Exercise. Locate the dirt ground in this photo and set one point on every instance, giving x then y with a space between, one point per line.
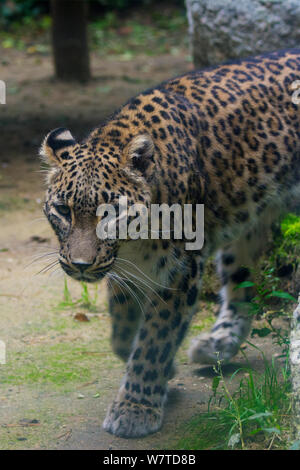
60 374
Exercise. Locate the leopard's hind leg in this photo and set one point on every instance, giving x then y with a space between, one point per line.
234 264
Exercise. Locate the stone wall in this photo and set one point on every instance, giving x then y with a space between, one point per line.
228 29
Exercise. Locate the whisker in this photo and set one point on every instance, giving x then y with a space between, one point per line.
113 276
121 281
126 278
48 267
111 286
142 281
41 257
149 278
180 263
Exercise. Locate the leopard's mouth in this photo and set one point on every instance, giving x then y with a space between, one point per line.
93 274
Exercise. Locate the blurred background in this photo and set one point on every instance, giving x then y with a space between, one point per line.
115 47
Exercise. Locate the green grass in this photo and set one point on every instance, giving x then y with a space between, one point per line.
290 228
58 364
86 301
163 30
127 37
204 432
206 322
287 242
255 414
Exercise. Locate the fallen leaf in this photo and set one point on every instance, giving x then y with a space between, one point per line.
81 317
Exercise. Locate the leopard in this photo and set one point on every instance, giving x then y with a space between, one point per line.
226 137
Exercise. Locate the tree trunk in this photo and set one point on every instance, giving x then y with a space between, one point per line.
69 38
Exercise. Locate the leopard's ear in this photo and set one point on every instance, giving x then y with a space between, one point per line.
141 154
56 146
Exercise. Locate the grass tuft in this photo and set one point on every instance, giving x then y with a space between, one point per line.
258 411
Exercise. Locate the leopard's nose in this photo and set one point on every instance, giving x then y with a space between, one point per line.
81 265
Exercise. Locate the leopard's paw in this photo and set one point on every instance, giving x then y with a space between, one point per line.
126 419
211 349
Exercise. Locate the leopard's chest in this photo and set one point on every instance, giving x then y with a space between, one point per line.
152 262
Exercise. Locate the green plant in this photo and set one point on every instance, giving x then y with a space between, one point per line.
290 228
256 412
120 27
12 10
286 250
259 405
258 409
261 306
86 301
129 35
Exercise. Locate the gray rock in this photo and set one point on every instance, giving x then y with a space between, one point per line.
295 371
227 29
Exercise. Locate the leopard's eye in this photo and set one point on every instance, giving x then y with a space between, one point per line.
63 210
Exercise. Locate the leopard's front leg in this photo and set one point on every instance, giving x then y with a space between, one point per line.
138 408
125 314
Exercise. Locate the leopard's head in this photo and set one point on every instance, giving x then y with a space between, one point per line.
82 177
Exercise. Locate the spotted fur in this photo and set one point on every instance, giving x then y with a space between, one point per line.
227 137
